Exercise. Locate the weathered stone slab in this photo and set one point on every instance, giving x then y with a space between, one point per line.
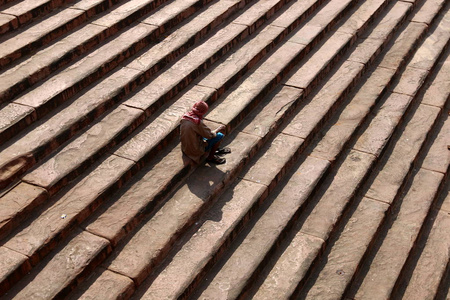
387 183
235 273
17 204
391 256
430 268
218 225
439 90
338 191
242 99
362 17
377 135
155 238
59 274
343 126
174 11
13 118
7 23
92 7
315 112
169 83
428 11
26 10
77 155
411 81
345 255
225 74
165 125
73 206
330 11
66 83
376 39
404 45
108 286
280 103
140 197
312 70
272 165
21 43
258 13
290 268
428 53
446 204
14 80
438 157
11 265
296 12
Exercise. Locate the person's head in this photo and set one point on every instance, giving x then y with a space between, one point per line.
200 108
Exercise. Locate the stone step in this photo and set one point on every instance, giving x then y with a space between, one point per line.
41 100
56 232
25 74
57 275
340 267
160 130
275 286
28 39
96 101
15 15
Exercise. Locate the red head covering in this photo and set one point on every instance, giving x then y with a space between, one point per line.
195 115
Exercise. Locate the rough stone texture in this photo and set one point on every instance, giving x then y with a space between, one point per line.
391 21
290 268
139 255
390 257
13 118
17 204
12 48
125 211
259 11
426 56
55 171
430 268
362 16
73 206
345 255
152 136
38 66
410 81
296 11
229 111
184 70
312 69
387 183
381 127
338 191
10 263
344 125
61 86
217 225
446 204
273 113
428 11
438 157
7 23
235 273
306 121
439 91
25 10
403 45
282 149
111 286
55 277
244 58
124 11
329 12
172 11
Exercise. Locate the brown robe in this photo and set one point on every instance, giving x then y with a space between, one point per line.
191 136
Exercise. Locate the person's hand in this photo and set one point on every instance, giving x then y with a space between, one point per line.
222 128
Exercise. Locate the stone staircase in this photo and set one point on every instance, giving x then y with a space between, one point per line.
336 113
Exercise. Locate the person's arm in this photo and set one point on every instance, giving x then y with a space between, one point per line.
205 131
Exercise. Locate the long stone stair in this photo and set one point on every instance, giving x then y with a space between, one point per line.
336 113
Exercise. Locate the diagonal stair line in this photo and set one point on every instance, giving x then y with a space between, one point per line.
172 114
25 74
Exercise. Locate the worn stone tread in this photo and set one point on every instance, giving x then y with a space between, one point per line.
438 158
430 268
56 275
10 263
400 238
438 91
236 272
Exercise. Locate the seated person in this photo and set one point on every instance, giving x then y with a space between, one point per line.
198 140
